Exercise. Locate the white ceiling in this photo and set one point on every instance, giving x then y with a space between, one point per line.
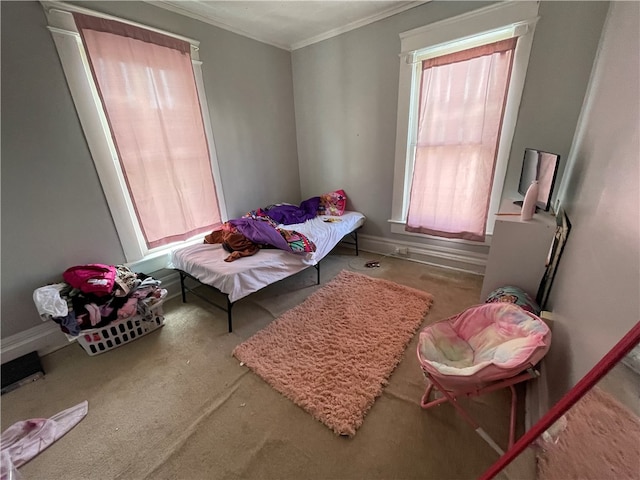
287 24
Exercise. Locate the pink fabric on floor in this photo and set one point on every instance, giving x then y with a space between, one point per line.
25 439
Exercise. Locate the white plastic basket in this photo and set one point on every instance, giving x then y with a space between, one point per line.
120 332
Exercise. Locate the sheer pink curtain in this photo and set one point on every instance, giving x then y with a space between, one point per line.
148 91
462 98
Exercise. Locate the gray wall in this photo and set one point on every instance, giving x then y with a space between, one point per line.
596 295
346 95
346 100
564 46
54 213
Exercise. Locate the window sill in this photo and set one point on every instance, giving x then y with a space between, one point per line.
397 227
159 259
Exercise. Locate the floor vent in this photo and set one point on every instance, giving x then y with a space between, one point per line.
21 371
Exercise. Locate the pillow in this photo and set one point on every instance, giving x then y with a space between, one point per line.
511 294
333 203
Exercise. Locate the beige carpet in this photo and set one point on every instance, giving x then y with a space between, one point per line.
333 353
176 404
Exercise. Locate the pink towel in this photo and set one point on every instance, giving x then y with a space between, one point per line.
25 439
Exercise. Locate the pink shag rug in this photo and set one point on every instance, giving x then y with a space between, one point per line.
333 354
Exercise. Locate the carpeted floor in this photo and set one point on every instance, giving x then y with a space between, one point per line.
176 404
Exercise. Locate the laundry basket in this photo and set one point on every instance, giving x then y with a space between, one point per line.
120 332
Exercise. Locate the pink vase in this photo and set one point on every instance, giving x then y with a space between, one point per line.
530 199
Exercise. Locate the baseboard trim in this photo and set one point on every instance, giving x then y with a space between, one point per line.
44 339
536 397
170 280
454 258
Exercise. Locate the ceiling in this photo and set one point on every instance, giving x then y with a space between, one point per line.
287 24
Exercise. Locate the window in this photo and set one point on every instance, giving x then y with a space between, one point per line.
139 96
461 102
460 87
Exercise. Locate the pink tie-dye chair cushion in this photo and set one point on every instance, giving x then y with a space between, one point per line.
483 343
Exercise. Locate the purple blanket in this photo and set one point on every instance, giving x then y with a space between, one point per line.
260 232
288 214
261 226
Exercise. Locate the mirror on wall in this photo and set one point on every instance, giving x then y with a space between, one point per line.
592 433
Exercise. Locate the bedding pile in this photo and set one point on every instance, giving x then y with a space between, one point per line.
263 228
94 295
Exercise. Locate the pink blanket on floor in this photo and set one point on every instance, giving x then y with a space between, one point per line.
25 439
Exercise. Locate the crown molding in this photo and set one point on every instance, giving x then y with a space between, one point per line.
295 46
215 22
356 24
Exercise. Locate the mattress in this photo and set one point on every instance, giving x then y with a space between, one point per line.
249 274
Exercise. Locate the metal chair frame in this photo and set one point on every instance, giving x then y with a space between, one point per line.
451 397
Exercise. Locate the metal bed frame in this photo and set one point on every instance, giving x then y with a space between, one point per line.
184 287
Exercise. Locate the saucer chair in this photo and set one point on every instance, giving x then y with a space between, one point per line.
482 349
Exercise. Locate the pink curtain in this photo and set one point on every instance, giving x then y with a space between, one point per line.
462 99
148 91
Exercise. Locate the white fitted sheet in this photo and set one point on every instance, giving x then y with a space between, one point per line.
249 274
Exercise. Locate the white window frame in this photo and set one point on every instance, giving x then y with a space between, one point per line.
98 135
485 25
